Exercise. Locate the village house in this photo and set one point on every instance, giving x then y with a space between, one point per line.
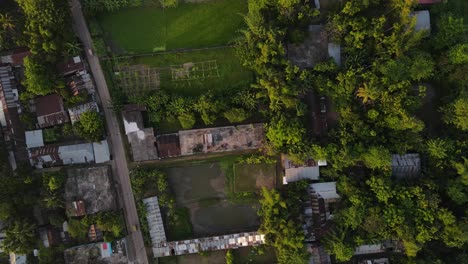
58 155
142 140
71 66
50 110
15 58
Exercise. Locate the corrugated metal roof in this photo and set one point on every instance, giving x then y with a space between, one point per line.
423 20
76 111
101 151
72 154
34 139
326 190
334 51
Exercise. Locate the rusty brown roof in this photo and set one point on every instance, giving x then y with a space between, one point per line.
49 104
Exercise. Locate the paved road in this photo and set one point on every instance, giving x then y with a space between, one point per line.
136 249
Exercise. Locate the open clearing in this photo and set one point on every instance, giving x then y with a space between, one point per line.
216 70
189 25
203 188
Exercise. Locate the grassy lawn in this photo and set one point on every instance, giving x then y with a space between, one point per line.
259 255
183 228
252 177
232 75
144 30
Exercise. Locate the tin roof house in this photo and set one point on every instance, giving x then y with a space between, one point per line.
50 110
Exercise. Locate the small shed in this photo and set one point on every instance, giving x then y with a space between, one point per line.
296 172
423 20
334 51
326 190
34 139
101 151
406 166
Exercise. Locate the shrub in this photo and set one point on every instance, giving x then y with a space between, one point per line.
187 120
236 115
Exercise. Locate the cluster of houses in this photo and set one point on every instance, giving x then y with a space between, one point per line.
323 198
26 128
24 124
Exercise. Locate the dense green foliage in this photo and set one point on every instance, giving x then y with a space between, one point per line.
90 126
206 109
111 223
391 80
48 32
280 220
19 237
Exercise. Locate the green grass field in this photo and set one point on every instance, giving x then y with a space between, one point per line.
143 30
252 177
232 75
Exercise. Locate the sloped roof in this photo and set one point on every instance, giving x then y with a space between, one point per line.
71 66
50 110
16 57
49 104
34 139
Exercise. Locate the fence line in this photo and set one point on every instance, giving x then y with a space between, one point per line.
166 52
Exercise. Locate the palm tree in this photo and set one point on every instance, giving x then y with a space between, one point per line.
7 22
72 48
20 237
367 93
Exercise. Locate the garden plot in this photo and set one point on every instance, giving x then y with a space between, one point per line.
194 71
138 79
